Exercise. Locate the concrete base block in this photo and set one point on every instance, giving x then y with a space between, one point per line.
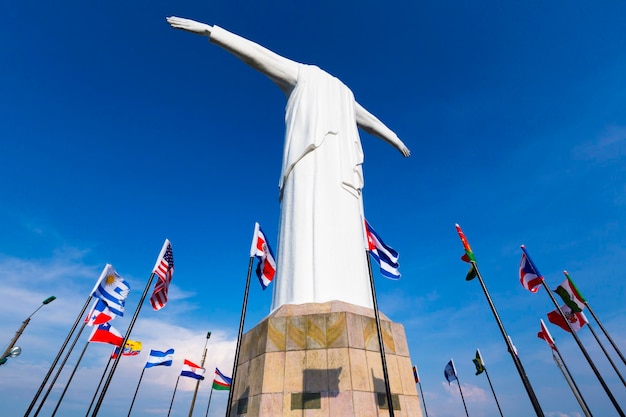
323 360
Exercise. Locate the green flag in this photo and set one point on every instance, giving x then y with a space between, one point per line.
570 294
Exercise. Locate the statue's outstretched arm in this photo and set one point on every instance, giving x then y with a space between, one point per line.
370 123
281 70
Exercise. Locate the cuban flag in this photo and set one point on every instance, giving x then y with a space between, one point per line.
112 289
221 381
384 255
260 248
529 276
100 313
192 370
158 358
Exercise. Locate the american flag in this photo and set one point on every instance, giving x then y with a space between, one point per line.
164 269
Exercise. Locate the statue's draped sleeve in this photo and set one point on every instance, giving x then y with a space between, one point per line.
281 70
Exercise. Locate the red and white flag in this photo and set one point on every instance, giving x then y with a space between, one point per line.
260 248
164 269
105 333
529 275
545 335
576 320
192 370
99 313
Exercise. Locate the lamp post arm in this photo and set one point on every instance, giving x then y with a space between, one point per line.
5 354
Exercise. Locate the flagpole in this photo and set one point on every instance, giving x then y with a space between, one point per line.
56 376
209 404
577 393
126 336
584 351
172 402
606 333
195 393
516 360
239 335
494 392
67 384
423 399
106 368
380 337
606 354
54 362
136 391
458 381
419 383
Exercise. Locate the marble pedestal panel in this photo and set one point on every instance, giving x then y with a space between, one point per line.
323 360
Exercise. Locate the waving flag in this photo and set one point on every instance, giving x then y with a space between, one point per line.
221 381
164 269
105 333
576 320
478 363
450 372
192 370
385 256
545 335
260 248
529 275
99 313
570 294
468 256
416 375
158 358
132 348
112 289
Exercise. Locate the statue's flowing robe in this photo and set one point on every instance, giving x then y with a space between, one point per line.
321 246
321 252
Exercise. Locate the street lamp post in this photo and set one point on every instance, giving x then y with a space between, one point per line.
10 352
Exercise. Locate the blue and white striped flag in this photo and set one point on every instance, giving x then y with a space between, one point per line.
384 255
112 289
158 358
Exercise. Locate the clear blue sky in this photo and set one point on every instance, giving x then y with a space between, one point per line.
118 132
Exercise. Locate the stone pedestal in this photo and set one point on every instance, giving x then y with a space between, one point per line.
323 360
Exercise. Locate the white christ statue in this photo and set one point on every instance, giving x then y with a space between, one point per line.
321 240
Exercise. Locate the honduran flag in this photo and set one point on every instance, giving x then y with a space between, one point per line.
192 370
158 358
105 333
221 381
260 248
385 256
99 313
529 275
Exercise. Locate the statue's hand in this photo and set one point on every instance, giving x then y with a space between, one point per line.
404 150
189 25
